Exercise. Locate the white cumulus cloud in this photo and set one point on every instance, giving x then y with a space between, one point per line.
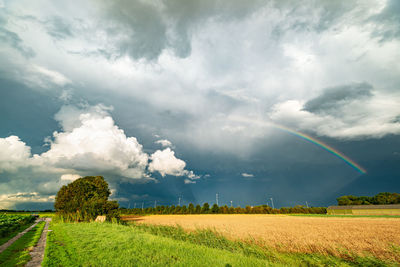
92 141
89 144
13 153
165 162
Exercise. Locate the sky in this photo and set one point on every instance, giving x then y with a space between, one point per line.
298 101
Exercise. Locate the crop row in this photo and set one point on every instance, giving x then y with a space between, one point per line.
10 223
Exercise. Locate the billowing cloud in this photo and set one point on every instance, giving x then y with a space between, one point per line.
165 162
13 154
94 142
89 144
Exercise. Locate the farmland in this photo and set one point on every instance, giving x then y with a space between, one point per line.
337 236
11 224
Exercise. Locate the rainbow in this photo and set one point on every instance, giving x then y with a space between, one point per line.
319 143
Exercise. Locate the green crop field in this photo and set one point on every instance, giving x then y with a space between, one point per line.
11 224
107 244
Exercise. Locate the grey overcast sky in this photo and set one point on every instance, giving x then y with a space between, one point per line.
179 98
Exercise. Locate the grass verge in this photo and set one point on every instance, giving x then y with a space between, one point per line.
18 253
94 244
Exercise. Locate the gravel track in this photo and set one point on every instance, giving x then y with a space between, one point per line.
37 253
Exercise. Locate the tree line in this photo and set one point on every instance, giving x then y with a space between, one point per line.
379 199
215 209
87 197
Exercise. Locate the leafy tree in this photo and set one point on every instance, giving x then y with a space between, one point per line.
224 209
171 209
248 209
205 208
215 208
85 199
191 208
184 209
177 210
197 209
379 199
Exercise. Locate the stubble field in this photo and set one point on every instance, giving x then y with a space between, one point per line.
337 236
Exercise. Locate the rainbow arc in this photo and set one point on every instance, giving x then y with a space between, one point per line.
321 144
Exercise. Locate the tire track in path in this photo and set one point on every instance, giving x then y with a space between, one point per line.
37 253
15 238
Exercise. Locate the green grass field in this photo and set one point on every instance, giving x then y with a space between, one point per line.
18 253
96 244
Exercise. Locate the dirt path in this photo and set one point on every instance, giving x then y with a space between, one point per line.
15 238
37 253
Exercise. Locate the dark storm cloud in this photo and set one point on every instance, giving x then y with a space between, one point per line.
138 28
143 30
335 97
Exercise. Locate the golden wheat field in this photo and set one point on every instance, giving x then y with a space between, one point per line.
327 235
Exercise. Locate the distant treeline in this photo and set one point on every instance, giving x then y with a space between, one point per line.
25 211
379 199
215 209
